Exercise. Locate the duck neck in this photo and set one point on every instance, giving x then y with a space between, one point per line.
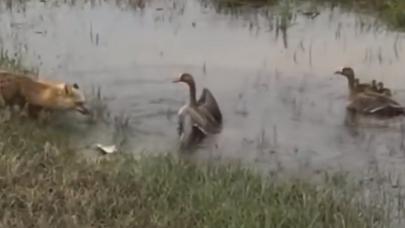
193 100
350 81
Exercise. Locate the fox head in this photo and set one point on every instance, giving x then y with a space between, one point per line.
70 97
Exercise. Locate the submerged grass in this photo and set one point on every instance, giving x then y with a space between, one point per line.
13 62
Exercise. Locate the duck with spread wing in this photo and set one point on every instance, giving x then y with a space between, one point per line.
198 118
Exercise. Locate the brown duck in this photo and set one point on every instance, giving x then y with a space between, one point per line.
353 83
198 118
367 102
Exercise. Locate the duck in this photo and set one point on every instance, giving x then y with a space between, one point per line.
375 104
368 102
354 84
383 90
198 118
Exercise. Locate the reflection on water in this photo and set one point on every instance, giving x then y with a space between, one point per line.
282 105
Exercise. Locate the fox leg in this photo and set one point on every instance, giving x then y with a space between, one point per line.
2 102
44 115
33 111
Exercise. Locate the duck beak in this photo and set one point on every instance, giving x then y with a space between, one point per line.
339 72
176 80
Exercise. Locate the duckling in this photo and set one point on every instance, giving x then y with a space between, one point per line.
383 90
353 83
362 86
374 85
198 119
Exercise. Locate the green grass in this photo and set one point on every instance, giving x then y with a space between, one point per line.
238 3
390 11
43 183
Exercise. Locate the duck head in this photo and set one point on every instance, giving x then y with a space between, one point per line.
186 78
347 72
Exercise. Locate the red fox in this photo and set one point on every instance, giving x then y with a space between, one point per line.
18 89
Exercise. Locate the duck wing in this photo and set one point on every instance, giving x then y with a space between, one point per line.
185 128
205 116
181 120
375 104
207 103
189 127
203 120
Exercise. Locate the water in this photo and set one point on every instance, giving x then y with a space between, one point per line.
282 104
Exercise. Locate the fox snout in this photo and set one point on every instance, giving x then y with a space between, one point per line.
80 107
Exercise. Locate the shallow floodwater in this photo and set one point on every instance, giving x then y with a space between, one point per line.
283 106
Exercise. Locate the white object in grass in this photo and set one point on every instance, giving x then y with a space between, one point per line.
107 149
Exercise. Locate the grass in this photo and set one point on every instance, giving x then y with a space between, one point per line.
45 182
390 11
238 3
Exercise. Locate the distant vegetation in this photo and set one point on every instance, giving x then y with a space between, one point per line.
391 11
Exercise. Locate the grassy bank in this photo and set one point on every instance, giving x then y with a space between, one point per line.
390 11
43 183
